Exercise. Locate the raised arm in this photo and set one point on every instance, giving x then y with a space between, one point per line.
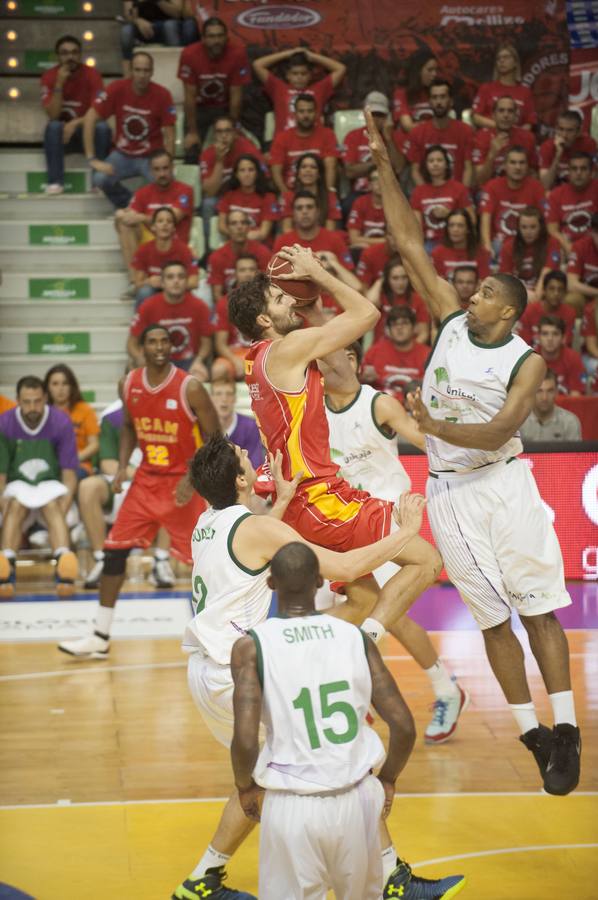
262 66
389 412
337 69
441 299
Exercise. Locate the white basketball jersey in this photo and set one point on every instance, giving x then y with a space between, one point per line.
367 457
316 693
467 382
228 598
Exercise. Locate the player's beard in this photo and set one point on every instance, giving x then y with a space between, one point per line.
290 321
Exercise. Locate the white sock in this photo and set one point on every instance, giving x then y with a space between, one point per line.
389 862
160 554
104 619
563 707
442 683
375 630
525 716
58 552
98 555
211 859
9 554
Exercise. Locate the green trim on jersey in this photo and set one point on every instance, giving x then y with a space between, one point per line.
380 428
260 656
506 340
453 315
229 546
517 366
343 409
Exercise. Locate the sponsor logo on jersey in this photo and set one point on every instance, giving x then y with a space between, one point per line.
171 404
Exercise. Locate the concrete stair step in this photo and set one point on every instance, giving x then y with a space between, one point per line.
77 285
53 341
42 207
70 314
17 161
54 232
34 48
33 181
89 368
65 259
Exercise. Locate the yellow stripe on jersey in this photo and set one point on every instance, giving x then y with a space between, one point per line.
297 404
197 438
330 505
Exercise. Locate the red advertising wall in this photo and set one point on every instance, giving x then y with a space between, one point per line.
583 83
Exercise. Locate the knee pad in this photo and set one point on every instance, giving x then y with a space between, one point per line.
115 561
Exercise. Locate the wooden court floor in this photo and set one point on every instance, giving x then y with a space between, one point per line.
110 787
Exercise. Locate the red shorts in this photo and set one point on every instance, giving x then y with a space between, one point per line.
149 506
337 516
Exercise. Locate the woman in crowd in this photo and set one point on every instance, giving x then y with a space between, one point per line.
460 247
150 257
247 190
531 253
506 83
434 200
311 177
393 288
62 389
411 103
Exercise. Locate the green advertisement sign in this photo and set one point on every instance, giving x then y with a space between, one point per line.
59 289
38 60
58 343
49 7
74 182
59 235
89 396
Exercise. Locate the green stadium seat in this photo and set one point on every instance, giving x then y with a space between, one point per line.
216 239
346 120
197 239
269 127
189 174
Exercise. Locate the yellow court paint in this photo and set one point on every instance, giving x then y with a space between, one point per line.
140 851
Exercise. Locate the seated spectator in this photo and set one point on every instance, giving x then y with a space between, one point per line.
186 317
531 253
556 152
6 403
582 269
392 289
572 204
491 145
149 22
396 359
589 349
564 362
150 258
68 90
550 303
297 80
311 177
213 72
460 247
506 81
163 190
308 136
547 421
229 343
221 262
366 223
38 471
411 104
465 282
374 258
247 192
356 155
145 115
503 198
239 429
435 199
456 137
63 392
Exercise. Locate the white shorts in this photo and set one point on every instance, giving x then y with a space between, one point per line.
310 844
35 496
212 687
497 542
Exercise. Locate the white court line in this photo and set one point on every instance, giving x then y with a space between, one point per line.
479 853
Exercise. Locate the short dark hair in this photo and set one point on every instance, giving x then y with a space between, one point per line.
554 275
554 322
30 381
516 149
503 97
298 59
246 302
573 116
295 568
516 292
160 209
225 117
306 98
401 312
304 195
157 154
213 20
550 375
66 39
214 470
581 154
155 326
173 262
250 256
442 82
464 268
357 349
137 53
75 391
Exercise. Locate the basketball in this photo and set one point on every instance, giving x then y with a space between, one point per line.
303 290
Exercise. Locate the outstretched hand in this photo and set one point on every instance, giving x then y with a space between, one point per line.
285 490
377 144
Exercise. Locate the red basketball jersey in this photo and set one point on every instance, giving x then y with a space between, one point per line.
165 424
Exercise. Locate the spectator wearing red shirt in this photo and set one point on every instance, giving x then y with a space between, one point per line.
393 288
311 177
456 137
491 145
503 199
150 258
366 223
306 137
411 103
506 81
145 115
374 258
564 362
213 72
582 269
551 303
297 80
229 343
460 247
221 262
556 152
438 196
396 359
531 253
572 204
186 317
248 193
589 335
68 90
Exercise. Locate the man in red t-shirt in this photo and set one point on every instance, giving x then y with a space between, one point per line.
397 359
572 204
503 199
221 262
589 336
556 152
68 90
145 115
230 345
564 362
213 72
552 303
491 145
582 269
456 137
186 317
373 259
366 223
297 80
306 137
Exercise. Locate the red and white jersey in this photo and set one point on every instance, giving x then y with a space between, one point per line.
419 108
456 138
257 207
505 203
572 210
426 197
583 143
356 149
283 97
518 137
489 93
213 78
583 260
289 145
177 195
140 118
506 262
367 218
78 91
447 259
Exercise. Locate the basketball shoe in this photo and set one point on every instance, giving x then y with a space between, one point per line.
404 885
162 575
539 742
562 771
67 569
94 646
8 577
446 717
209 885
